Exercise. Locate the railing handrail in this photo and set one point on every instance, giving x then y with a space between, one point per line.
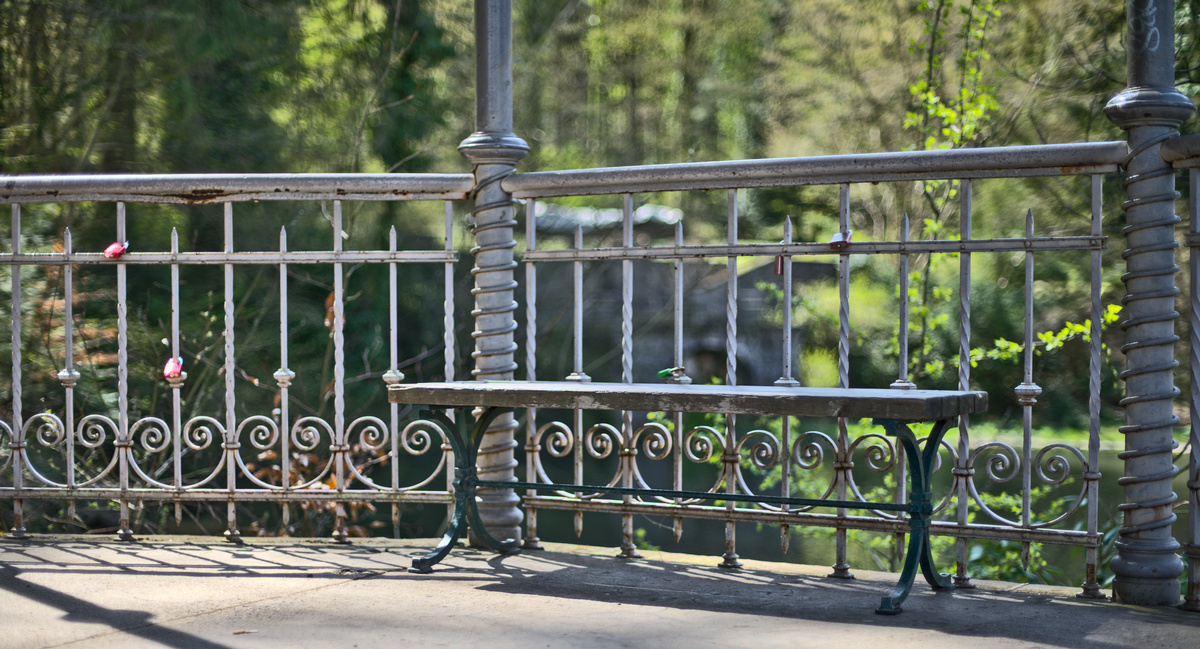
1013 161
214 188
992 162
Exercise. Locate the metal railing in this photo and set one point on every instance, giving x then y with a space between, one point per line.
172 454
143 453
741 453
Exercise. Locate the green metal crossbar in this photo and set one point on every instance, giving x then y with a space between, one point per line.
699 495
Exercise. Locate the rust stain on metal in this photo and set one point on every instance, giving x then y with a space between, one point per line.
1074 170
201 195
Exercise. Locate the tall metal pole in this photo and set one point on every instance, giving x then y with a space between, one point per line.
493 151
1147 567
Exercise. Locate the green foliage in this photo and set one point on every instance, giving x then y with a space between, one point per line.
1006 350
639 541
950 115
933 338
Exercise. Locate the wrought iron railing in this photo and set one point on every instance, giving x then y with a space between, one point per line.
135 456
741 453
128 454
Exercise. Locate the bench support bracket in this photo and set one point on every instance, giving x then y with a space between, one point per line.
920 465
466 508
464 437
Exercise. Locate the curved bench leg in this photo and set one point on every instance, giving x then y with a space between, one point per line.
458 525
464 491
466 510
890 605
507 546
920 554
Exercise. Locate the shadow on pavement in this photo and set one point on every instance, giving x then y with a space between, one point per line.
834 605
136 623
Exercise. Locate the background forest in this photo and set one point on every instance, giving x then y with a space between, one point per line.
245 86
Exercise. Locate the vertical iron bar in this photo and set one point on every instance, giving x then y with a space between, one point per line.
577 306
681 378
393 376
176 384
628 450
1150 110
18 443
963 471
531 447
123 444
786 378
283 378
730 456
843 462
1091 588
902 382
341 448
68 375
450 354
577 374
231 439
1027 393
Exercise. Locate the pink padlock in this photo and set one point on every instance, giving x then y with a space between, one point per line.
174 368
115 250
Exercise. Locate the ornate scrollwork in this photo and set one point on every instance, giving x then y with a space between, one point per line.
1002 466
879 451
702 443
415 438
808 449
374 434
198 432
6 431
48 429
765 453
601 439
264 432
1054 469
92 430
764 448
306 433
657 444
156 435
560 440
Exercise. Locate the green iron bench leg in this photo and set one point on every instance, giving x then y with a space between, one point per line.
466 510
919 554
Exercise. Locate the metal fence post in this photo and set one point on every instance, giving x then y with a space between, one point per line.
1150 110
493 151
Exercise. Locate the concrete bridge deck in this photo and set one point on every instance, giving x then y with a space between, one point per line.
77 591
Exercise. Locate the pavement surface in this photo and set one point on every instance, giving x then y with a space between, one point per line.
76 591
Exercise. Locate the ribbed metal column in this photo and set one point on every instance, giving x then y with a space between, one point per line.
1150 110
494 150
